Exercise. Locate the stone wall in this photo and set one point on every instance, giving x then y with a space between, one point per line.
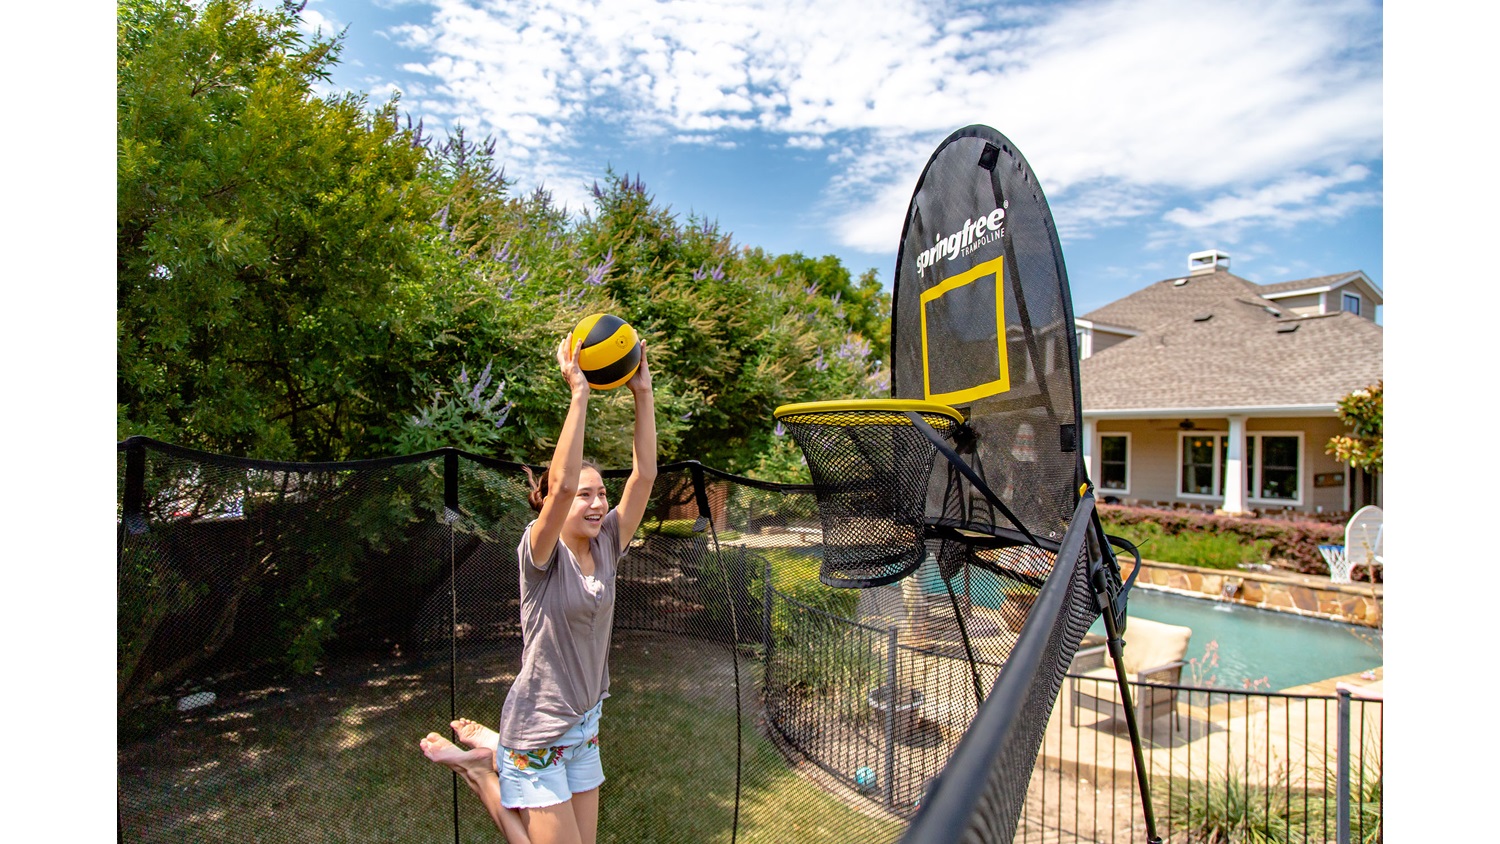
1300 594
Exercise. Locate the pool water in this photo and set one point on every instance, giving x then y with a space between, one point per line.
1288 650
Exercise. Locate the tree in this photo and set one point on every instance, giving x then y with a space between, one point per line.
301 278
271 297
1362 412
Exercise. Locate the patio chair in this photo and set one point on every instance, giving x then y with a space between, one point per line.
1153 654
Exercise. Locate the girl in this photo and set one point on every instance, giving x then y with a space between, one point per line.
546 751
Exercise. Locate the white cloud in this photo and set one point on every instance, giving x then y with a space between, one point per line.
1298 198
1118 104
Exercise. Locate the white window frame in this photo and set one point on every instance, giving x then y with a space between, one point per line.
1255 459
1359 303
1103 490
1219 438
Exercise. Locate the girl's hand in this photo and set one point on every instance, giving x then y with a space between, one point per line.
640 382
567 361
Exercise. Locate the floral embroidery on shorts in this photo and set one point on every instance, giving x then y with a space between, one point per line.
528 759
594 742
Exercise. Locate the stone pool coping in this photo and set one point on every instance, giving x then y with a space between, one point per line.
1289 592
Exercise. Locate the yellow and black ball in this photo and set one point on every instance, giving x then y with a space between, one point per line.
611 350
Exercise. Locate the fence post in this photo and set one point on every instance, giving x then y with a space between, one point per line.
1343 783
765 624
890 718
133 511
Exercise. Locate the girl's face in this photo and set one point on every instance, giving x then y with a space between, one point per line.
589 506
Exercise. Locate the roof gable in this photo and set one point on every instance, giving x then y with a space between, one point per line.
1175 299
1356 279
1241 356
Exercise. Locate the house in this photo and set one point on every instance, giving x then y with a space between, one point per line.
1206 378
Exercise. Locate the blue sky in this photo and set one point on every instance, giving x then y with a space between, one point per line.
1158 127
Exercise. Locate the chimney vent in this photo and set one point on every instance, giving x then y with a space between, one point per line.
1207 261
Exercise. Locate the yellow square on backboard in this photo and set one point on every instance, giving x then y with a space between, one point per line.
988 273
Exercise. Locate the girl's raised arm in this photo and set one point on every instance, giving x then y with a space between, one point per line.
637 492
567 460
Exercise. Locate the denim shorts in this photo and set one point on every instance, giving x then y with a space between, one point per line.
531 779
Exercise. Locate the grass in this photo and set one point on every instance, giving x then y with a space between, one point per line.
1204 550
336 758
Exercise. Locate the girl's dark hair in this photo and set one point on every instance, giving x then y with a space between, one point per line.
538 483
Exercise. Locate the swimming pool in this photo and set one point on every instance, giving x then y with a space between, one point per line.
1288 650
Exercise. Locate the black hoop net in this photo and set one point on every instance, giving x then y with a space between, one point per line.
870 466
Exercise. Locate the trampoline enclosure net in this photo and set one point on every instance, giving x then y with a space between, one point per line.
287 633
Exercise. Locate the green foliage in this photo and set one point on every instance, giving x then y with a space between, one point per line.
1205 550
1240 804
270 299
796 576
821 651
1363 413
469 417
1293 543
302 278
306 554
1231 807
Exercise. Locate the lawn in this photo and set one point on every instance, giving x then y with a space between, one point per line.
335 758
1202 549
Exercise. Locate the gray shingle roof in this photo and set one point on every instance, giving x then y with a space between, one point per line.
1169 302
1237 358
1305 283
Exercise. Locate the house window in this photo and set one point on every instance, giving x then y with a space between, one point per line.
1274 466
1203 460
1351 303
1114 462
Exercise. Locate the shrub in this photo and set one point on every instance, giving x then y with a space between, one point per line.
1205 550
822 651
1290 543
1234 809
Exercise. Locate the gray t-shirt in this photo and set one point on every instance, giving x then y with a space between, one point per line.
565 625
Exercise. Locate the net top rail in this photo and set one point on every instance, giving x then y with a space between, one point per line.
426 456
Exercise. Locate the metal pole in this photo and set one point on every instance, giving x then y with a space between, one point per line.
1343 785
1116 649
765 626
890 718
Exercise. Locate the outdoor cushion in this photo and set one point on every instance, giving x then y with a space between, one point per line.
1101 683
1152 644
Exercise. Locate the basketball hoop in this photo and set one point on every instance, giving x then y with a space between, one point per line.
870 466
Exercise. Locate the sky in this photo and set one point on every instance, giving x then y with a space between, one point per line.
1158 127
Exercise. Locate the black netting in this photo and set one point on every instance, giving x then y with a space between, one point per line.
288 632
982 792
871 469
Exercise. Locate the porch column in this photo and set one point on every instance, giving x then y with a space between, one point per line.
1090 430
1234 467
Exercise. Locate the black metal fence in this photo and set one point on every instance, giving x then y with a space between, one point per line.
1223 766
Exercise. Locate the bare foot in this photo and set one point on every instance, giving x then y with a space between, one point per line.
472 764
475 734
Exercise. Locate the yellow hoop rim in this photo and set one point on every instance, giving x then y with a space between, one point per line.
875 405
